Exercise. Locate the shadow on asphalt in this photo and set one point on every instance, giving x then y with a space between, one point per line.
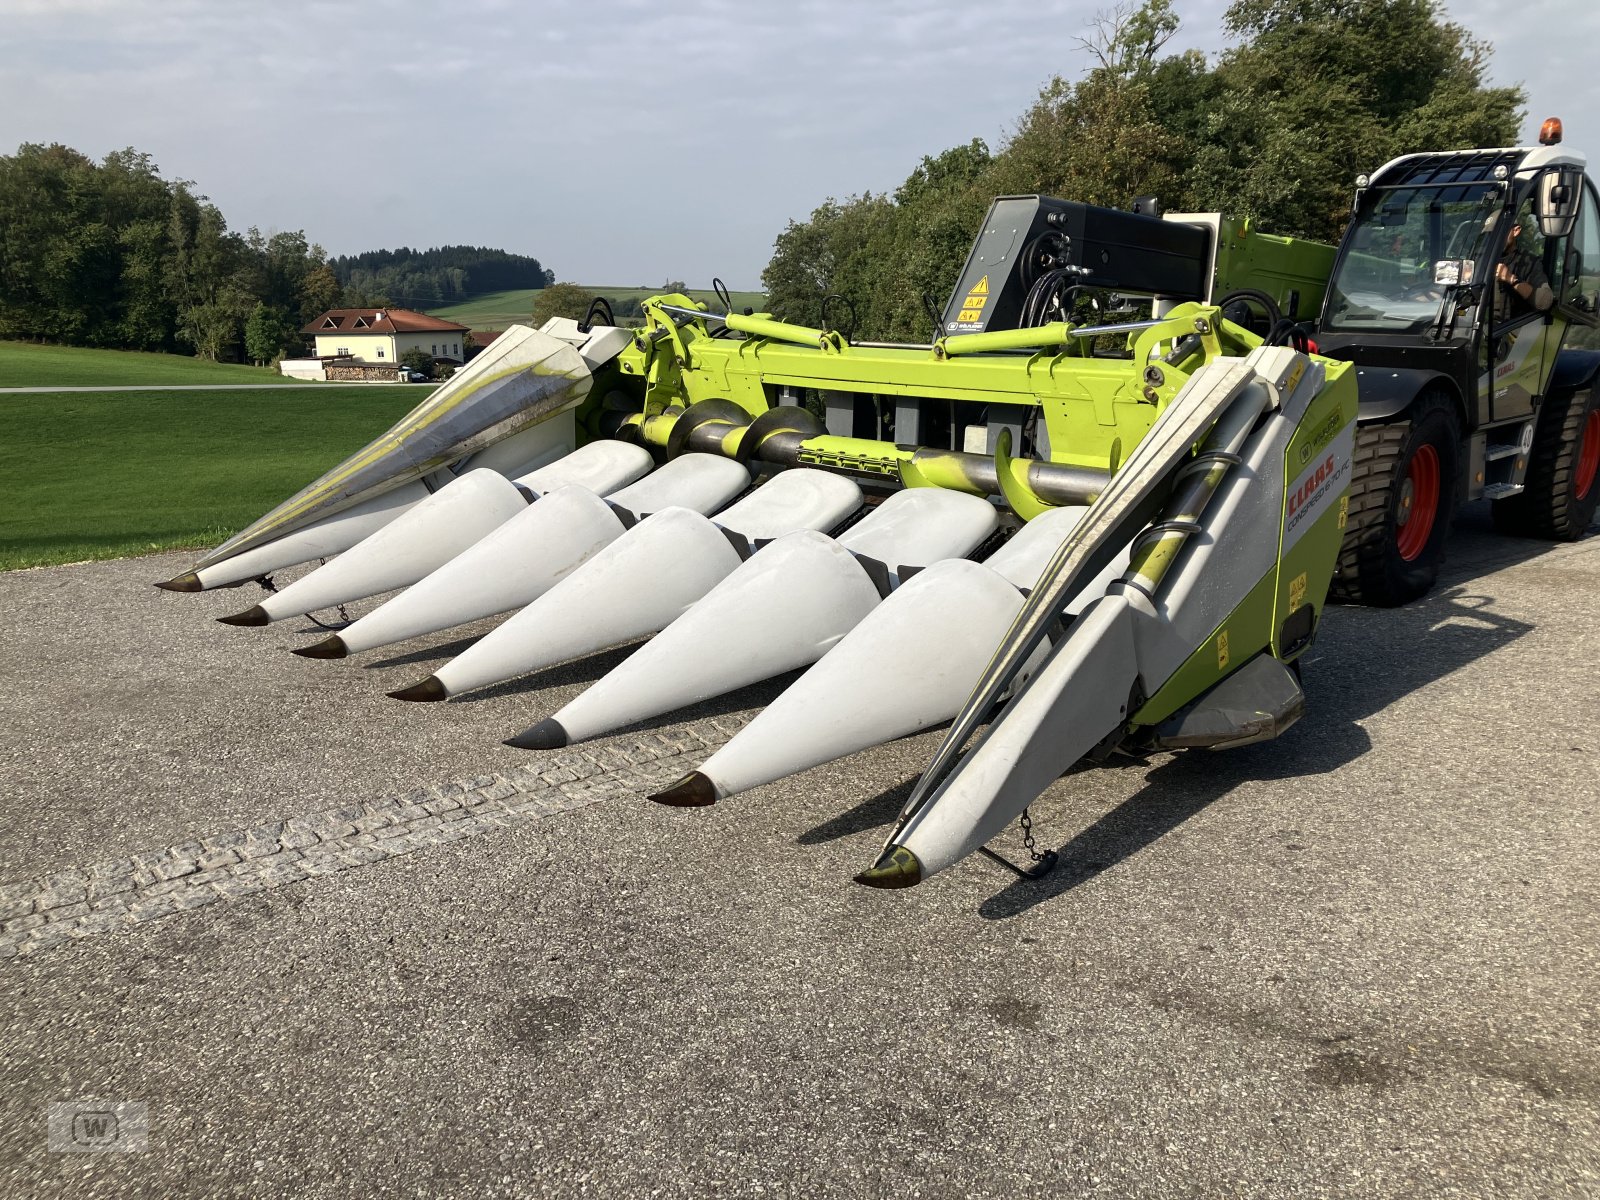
444 650
587 669
871 813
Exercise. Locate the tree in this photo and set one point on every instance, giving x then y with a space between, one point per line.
268 333
417 359
211 328
561 300
111 254
58 255
1321 89
923 242
320 290
147 319
444 274
1275 130
830 254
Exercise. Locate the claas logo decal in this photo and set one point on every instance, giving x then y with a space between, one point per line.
1324 472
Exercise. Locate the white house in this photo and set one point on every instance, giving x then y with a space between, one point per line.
382 335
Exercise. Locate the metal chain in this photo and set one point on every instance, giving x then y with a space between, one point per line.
345 619
1043 861
1028 844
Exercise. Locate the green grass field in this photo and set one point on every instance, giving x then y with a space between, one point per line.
23 364
499 309
109 475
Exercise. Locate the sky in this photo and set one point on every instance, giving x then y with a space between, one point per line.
622 144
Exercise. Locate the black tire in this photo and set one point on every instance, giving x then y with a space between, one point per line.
1561 487
1381 562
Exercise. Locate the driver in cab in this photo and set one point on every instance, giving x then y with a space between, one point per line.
1521 284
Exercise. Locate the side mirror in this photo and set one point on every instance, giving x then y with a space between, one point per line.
1453 272
1556 202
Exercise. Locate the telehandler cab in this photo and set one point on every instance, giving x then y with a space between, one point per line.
1470 387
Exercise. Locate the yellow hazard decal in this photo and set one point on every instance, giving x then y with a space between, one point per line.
1297 591
1295 376
1344 510
972 307
1222 650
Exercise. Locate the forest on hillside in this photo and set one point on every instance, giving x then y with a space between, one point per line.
430 278
1275 129
111 254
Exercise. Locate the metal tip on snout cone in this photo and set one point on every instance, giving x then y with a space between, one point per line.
548 734
187 582
429 690
694 790
898 869
255 615
331 647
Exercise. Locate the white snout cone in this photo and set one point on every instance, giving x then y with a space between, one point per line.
636 585
602 467
799 498
1078 697
512 566
406 549
703 482
329 536
782 609
907 666
522 559
919 526
645 580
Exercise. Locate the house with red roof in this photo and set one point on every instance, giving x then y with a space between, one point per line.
481 339
382 335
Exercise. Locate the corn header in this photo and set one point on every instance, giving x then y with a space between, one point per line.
1100 511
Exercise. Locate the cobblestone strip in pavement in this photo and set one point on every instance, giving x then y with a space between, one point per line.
41 914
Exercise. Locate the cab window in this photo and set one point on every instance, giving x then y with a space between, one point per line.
1580 284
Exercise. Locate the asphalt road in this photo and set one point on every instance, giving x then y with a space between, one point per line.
1359 962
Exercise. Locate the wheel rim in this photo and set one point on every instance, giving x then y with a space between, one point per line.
1589 454
1419 503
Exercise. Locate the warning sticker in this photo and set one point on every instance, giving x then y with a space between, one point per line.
1222 650
1318 487
1295 376
1297 591
972 307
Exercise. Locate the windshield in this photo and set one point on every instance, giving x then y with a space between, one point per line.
1385 281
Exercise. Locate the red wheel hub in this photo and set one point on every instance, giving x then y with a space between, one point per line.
1419 503
1588 454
